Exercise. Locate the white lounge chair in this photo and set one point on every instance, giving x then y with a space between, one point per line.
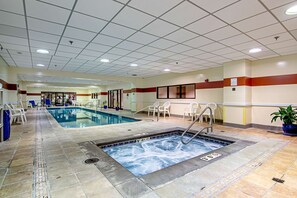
15 114
206 114
153 108
191 110
165 108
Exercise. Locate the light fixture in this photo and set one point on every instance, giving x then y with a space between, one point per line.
255 50
292 10
133 65
167 70
42 51
40 65
104 60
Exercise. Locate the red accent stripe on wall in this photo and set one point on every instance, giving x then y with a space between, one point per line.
8 86
22 92
83 94
141 90
103 93
210 85
275 80
241 81
33 94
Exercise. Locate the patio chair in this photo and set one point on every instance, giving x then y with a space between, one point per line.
32 103
165 108
191 110
206 114
48 102
153 108
15 114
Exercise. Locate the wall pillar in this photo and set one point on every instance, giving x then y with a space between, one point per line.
237 109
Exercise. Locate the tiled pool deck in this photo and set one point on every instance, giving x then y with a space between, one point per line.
43 159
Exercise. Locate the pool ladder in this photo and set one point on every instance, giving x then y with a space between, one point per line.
207 128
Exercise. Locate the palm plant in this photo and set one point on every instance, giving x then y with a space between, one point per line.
287 115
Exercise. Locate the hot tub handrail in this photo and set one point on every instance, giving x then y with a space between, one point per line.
208 127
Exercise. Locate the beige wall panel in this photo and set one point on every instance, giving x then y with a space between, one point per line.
234 115
261 115
241 96
237 68
277 94
275 66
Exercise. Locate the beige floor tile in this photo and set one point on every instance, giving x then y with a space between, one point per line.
15 189
285 190
72 192
62 182
18 177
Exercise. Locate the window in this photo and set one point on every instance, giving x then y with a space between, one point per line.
177 92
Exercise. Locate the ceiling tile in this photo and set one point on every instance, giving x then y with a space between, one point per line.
235 40
13 40
162 44
164 53
213 5
291 24
65 54
104 9
117 31
98 47
12 19
79 34
111 56
205 56
43 45
46 27
184 14
233 55
85 57
205 25
198 42
267 31
247 46
179 48
16 47
160 28
86 22
15 6
212 47
275 3
223 33
271 39
181 35
193 52
143 38
65 3
118 51
226 50
13 31
129 45
148 50
154 7
137 55
287 50
240 10
132 18
106 40
38 36
283 44
91 53
259 21
46 12
280 12
75 42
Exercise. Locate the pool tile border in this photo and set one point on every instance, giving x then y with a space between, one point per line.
121 178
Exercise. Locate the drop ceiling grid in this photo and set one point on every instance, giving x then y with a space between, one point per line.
64 49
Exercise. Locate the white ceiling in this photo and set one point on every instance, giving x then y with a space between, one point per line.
154 34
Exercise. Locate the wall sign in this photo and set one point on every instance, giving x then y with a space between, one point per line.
233 81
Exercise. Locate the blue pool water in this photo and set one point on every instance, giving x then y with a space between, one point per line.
80 118
151 155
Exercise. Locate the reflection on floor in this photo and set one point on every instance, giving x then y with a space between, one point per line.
43 159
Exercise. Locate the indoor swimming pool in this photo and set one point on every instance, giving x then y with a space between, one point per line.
150 154
76 117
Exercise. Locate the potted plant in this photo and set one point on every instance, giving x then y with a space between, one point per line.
288 116
117 107
104 104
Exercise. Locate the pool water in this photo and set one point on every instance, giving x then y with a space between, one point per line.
81 118
151 155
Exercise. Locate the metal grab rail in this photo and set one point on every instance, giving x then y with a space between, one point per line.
209 127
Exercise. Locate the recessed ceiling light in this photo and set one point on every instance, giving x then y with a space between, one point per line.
42 51
255 50
40 65
104 60
133 65
167 70
292 10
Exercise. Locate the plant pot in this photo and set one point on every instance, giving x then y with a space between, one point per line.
290 129
117 108
105 106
